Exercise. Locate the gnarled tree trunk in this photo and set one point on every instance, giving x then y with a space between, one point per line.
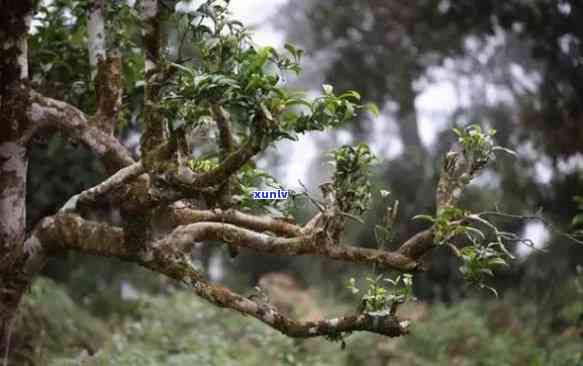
13 282
14 23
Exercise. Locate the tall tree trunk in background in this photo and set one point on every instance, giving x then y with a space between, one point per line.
14 22
407 117
415 157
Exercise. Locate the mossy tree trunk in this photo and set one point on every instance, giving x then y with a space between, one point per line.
14 281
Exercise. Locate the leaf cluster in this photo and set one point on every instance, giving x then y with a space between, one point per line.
378 297
478 149
251 179
351 177
248 81
479 256
385 231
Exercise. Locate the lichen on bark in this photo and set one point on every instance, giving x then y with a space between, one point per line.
14 22
108 87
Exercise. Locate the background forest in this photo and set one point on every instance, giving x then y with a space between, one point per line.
430 65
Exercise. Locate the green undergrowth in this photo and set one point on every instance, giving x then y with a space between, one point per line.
179 329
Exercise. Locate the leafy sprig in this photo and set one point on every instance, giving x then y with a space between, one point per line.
351 177
382 293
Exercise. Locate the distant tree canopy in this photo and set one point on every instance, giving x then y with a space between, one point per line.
553 32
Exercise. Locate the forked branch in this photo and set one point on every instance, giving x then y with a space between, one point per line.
71 232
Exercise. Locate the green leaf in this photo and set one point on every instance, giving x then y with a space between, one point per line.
493 290
424 217
182 68
351 94
328 89
487 271
497 262
212 43
298 101
349 113
294 51
373 108
577 220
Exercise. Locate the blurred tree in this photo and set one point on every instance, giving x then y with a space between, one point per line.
552 30
380 47
383 48
387 47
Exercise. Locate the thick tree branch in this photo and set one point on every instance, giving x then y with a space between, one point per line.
227 145
418 245
105 70
71 232
232 163
305 240
108 88
189 181
316 243
154 134
184 237
376 323
15 20
115 181
47 113
184 216
14 24
96 34
448 182
226 140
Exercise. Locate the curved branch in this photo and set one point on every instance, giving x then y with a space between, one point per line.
47 113
184 216
71 232
232 163
184 237
90 195
418 245
222 296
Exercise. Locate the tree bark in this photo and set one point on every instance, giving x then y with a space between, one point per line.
14 23
13 165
